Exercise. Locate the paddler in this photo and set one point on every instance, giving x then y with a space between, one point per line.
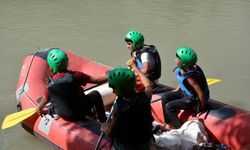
131 125
146 57
65 90
192 92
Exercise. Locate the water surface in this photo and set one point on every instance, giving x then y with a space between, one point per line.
217 29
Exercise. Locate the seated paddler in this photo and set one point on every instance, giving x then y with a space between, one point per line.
66 93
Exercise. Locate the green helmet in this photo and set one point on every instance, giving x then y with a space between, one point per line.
187 56
122 80
136 38
57 60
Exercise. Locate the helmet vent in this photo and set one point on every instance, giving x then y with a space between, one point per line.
52 56
119 73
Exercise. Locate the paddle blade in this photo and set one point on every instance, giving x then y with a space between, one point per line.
17 117
212 81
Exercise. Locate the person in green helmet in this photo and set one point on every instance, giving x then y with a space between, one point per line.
131 125
65 90
192 92
146 57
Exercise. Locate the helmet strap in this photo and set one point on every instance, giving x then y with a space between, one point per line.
184 67
51 69
174 69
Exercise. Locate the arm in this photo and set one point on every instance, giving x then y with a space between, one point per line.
194 84
44 101
98 80
176 89
145 62
111 130
145 67
145 81
83 78
145 58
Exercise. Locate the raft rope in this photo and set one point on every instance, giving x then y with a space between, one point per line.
27 74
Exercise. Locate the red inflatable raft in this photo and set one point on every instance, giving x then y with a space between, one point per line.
225 124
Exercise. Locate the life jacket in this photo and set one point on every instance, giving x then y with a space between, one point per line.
192 72
65 100
153 73
134 120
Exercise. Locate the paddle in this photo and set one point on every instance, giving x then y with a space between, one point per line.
107 121
17 117
211 81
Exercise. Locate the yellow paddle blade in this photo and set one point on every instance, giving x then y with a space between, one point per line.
212 81
17 117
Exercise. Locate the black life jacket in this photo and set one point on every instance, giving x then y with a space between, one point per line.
156 72
134 120
65 100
